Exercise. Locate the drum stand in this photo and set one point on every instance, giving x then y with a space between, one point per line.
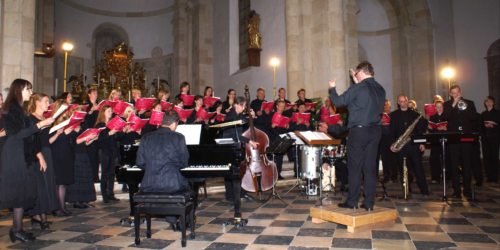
297 179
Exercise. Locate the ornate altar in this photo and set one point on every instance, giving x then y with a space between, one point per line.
115 71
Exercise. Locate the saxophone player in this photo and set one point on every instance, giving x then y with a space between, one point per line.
400 121
462 118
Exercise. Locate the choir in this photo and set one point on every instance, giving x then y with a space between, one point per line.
44 168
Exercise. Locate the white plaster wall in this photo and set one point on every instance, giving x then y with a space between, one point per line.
272 29
372 17
144 33
477 26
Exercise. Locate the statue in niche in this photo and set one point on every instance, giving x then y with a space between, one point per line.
254 38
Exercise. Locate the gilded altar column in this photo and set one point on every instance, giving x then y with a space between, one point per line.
17 42
321 44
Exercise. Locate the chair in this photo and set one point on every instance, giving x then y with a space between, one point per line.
182 205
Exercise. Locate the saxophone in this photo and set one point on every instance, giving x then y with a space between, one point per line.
405 137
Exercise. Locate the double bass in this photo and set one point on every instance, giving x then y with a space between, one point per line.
257 164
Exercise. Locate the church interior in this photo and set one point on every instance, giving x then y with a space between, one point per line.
419 48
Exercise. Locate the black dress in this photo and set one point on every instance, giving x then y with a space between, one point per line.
63 154
83 189
17 174
45 182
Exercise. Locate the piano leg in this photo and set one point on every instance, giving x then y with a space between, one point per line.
132 189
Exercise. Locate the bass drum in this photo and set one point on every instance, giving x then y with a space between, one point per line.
311 160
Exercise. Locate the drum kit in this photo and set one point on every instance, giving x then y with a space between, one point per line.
319 176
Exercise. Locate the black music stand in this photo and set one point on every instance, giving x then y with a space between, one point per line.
280 146
443 138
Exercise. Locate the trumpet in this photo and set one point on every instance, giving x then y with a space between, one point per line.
405 179
461 105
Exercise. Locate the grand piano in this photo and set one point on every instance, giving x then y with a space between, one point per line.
205 161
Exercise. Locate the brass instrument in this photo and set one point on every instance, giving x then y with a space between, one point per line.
462 105
405 179
405 137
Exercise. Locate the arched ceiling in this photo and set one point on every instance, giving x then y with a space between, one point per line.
122 8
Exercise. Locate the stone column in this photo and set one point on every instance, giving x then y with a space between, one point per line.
181 45
321 44
17 46
44 66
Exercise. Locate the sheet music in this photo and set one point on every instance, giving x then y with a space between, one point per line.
297 139
312 135
192 133
60 111
224 141
59 126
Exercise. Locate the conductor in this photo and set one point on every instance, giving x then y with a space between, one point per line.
365 102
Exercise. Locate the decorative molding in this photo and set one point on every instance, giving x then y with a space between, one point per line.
95 11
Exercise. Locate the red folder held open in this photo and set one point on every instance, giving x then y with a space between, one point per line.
156 118
144 104
188 100
116 123
280 120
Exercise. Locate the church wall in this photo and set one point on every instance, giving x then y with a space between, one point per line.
144 33
477 26
272 29
374 38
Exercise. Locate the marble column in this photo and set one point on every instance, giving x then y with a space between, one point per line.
17 41
321 44
181 45
44 66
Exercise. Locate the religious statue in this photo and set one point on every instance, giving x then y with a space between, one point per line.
253 30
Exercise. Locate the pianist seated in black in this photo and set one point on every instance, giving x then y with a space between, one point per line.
236 133
161 155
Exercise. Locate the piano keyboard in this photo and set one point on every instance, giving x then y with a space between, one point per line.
207 168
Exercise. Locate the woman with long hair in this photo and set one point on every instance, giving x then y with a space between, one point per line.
115 95
66 98
90 118
17 171
108 151
208 92
62 144
227 105
46 187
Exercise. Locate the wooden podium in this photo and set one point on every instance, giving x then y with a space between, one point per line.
353 218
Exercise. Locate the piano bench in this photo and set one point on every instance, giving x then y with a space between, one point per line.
161 204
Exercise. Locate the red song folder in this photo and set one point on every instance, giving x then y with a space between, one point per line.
289 106
430 109
90 131
120 107
116 123
324 111
220 117
209 101
183 113
165 106
106 102
434 125
311 105
136 123
267 106
144 104
156 118
188 100
203 115
331 119
306 117
386 119
280 120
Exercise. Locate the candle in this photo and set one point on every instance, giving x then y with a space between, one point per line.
158 83
55 89
98 78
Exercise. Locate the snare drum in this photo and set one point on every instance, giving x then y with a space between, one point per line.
335 152
311 160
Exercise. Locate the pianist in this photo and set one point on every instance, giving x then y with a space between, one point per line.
161 155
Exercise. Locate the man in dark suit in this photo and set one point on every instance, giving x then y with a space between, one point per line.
462 118
161 155
401 119
365 102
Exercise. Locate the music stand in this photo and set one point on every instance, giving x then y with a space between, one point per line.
442 138
280 146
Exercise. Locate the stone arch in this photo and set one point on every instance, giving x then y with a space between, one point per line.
412 47
105 37
493 61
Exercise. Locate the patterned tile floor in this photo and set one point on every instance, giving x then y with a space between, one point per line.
423 223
